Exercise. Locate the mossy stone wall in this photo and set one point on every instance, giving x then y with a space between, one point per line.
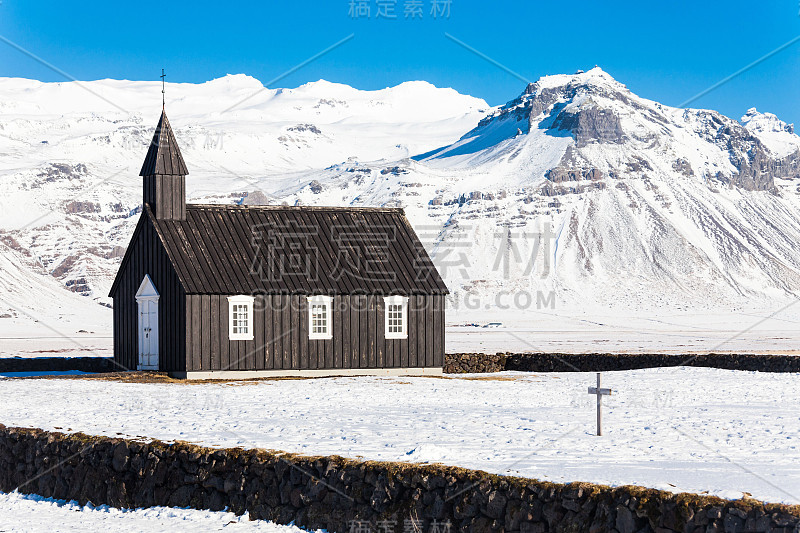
343 495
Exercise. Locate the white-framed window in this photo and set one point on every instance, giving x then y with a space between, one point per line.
240 318
395 317
320 317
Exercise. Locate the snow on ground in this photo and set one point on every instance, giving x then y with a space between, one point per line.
561 330
16 344
677 429
758 330
34 514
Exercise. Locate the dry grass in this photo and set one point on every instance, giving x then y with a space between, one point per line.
494 377
163 377
159 377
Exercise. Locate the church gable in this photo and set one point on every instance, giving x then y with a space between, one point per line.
145 251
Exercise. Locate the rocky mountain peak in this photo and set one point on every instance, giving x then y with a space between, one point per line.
595 78
765 122
585 104
615 133
574 102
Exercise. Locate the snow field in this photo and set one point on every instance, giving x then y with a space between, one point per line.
34 514
590 330
699 430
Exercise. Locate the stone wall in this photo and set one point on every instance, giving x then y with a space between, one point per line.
343 495
605 362
57 364
474 363
481 363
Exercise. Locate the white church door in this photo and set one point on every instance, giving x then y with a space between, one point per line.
147 301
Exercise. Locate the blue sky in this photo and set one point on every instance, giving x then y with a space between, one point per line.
666 51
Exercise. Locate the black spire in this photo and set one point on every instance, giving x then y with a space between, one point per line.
164 157
164 175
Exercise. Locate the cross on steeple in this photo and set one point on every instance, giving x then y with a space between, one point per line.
163 101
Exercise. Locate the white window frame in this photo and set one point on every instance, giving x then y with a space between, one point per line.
240 300
403 302
328 302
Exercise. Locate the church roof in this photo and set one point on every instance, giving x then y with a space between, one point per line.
164 156
287 250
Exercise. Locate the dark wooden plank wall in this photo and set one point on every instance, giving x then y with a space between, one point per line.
147 256
166 196
281 335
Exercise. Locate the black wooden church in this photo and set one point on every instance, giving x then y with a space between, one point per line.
227 291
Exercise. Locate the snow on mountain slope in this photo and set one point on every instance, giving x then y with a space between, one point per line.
232 118
606 198
38 316
577 194
71 154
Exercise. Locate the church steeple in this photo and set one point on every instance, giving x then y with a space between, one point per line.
164 173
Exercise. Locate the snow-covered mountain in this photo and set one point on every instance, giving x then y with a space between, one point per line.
576 189
606 198
71 154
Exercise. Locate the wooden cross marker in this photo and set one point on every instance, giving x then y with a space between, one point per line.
599 393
